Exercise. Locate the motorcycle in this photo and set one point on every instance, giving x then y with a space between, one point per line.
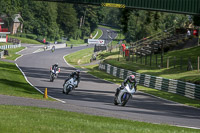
54 74
53 49
69 85
123 96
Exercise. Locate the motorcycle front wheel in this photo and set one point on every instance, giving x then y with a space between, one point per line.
125 98
68 89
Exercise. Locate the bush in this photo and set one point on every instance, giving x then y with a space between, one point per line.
40 38
31 36
23 35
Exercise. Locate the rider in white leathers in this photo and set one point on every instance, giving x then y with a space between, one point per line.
130 79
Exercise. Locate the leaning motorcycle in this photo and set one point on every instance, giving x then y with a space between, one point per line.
69 85
123 96
54 74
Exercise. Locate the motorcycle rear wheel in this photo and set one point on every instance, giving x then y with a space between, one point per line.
115 101
51 78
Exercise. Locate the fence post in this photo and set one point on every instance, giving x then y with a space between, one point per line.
198 64
156 61
181 59
145 59
150 59
129 56
174 62
167 62
189 68
133 57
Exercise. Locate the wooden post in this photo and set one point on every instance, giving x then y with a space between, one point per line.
167 62
153 60
162 54
181 60
119 52
198 36
156 61
145 59
150 59
174 62
198 64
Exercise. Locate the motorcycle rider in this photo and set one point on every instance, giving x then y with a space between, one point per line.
129 80
55 67
53 49
77 74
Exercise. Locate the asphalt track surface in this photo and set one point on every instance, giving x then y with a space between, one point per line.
94 96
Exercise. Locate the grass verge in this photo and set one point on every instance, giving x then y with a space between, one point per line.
12 53
33 119
2 43
80 57
78 41
169 73
13 83
99 34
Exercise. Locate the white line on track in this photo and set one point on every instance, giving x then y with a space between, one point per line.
21 50
18 57
33 85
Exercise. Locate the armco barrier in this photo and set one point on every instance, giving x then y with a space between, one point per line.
10 46
170 85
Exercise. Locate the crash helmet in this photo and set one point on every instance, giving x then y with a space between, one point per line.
131 78
77 71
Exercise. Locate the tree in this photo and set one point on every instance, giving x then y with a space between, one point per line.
67 20
139 24
87 19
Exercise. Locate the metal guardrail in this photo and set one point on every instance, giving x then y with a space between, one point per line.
169 85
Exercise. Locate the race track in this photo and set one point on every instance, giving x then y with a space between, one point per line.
95 96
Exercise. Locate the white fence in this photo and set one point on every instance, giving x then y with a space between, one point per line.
10 46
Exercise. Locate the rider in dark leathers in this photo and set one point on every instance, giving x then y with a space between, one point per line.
55 67
129 80
77 74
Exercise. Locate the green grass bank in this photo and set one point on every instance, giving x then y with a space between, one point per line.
169 73
25 40
13 83
33 119
12 53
